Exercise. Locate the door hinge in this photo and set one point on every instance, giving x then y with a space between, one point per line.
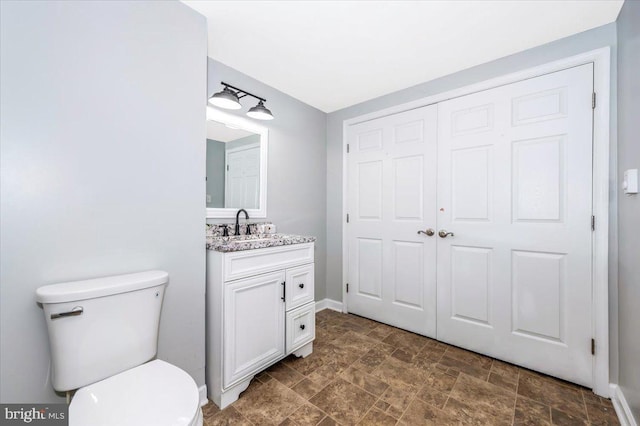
593 346
347 148
347 217
593 100
347 287
593 223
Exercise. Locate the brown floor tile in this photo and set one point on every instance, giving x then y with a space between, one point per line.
380 333
421 413
410 342
463 367
343 401
369 373
602 414
366 381
590 397
505 369
376 417
399 373
483 398
531 413
327 421
382 405
210 409
552 393
398 399
565 419
403 355
432 396
441 381
371 360
469 414
307 415
306 388
468 357
284 374
306 365
268 404
228 416
506 382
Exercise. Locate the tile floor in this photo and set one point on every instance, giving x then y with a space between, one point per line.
367 373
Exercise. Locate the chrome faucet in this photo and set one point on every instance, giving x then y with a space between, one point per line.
237 228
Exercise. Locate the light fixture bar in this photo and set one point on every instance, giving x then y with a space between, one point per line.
242 93
230 97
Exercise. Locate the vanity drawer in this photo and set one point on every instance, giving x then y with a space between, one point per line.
300 286
301 326
246 263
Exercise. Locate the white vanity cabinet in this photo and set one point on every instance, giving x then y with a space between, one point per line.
260 308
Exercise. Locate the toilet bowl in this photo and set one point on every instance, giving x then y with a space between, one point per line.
103 335
156 393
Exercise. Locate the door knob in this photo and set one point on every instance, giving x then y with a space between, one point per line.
444 233
429 232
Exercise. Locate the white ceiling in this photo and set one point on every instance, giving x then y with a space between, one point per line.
334 54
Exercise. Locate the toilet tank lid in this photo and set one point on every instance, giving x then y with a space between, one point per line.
99 287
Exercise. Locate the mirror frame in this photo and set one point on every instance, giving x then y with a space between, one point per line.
250 126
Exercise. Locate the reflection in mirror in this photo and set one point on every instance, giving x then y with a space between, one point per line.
233 167
236 166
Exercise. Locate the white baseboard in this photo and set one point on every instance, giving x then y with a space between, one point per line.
323 304
621 406
202 391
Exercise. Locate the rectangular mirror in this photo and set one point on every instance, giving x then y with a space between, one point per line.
236 166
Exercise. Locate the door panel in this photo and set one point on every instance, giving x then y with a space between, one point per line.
391 197
513 181
514 186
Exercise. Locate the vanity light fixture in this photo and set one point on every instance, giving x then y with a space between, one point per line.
229 98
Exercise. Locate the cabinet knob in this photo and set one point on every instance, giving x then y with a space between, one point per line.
302 327
301 285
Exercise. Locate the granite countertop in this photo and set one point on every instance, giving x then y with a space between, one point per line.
257 241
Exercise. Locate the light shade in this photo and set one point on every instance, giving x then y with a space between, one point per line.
260 112
227 99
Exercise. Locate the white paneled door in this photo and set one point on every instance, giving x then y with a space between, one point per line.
514 188
392 194
512 251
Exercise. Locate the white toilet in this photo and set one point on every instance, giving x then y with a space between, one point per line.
103 333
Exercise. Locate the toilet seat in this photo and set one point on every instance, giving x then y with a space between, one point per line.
154 394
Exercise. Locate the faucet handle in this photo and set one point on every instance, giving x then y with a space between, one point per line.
248 229
225 230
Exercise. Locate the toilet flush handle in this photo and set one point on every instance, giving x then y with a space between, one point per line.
72 313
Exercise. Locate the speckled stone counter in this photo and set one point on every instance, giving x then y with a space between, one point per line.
251 242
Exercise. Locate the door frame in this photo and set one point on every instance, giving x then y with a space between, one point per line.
600 186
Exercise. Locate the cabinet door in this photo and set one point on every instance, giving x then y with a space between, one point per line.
253 325
299 286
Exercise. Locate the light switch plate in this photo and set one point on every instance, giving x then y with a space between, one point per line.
630 181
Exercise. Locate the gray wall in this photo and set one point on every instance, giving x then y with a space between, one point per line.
296 175
583 42
629 205
247 140
215 172
103 167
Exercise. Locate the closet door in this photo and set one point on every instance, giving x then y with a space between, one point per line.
514 189
391 196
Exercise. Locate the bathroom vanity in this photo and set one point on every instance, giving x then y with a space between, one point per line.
260 307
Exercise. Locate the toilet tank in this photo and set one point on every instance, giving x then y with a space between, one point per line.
101 327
